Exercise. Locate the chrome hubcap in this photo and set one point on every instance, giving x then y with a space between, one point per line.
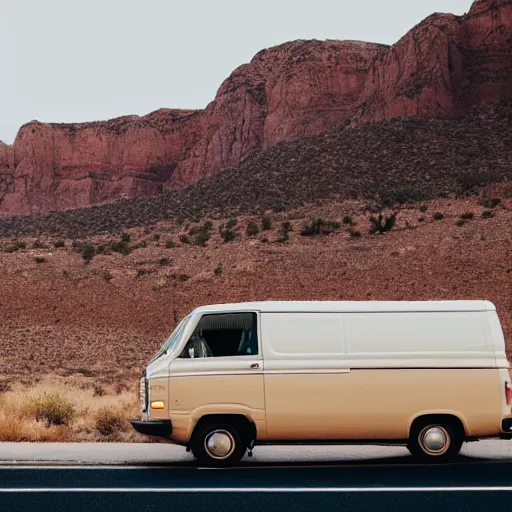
435 440
219 444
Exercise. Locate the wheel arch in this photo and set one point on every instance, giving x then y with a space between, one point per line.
452 418
247 427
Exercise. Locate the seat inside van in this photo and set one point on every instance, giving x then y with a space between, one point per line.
224 335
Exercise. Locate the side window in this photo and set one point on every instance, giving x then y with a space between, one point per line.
224 335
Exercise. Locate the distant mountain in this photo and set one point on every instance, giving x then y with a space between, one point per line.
443 68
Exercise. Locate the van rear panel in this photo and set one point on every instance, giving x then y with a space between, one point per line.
364 375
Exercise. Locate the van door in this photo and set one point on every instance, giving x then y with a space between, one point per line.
220 371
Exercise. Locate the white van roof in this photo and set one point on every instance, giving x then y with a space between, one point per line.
350 306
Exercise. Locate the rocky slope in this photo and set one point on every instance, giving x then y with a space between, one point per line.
442 68
387 163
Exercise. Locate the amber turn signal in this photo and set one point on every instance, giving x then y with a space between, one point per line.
157 405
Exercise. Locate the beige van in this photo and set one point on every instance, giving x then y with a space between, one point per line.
428 375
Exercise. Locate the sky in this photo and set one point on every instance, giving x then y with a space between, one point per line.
75 60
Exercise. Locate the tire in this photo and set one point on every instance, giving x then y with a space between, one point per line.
445 440
220 436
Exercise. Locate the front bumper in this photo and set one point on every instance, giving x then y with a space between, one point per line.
156 428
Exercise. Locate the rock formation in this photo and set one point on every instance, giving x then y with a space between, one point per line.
443 67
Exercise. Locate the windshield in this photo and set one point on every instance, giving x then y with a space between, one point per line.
175 335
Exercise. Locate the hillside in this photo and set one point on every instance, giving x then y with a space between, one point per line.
387 163
104 319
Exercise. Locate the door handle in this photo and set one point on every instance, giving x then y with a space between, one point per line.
255 366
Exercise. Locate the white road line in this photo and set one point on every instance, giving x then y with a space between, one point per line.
256 489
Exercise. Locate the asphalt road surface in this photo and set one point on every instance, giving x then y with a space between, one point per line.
94 477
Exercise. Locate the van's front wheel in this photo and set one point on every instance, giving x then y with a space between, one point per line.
217 444
434 441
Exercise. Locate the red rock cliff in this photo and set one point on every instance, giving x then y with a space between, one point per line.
441 68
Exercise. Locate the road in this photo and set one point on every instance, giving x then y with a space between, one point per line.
92 477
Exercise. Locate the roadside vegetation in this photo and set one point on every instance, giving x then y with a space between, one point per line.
58 409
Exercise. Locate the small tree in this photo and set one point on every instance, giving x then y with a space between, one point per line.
381 225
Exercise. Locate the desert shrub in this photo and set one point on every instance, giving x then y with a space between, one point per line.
231 223
88 252
264 240
109 422
252 229
39 245
438 216
355 234
487 214
313 229
423 208
490 202
201 238
195 230
421 219
126 238
382 224
228 235
286 227
108 276
143 244
120 247
266 223
52 409
163 261
170 244
59 243
39 259
348 220
208 225
284 235
460 223
184 239
16 246
467 216
319 227
156 237
218 270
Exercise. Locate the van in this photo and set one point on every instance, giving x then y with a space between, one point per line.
427 375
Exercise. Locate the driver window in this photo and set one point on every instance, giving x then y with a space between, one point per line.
223 335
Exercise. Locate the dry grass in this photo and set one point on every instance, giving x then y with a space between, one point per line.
93 417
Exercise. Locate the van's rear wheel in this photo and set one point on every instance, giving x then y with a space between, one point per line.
434 441
218 444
